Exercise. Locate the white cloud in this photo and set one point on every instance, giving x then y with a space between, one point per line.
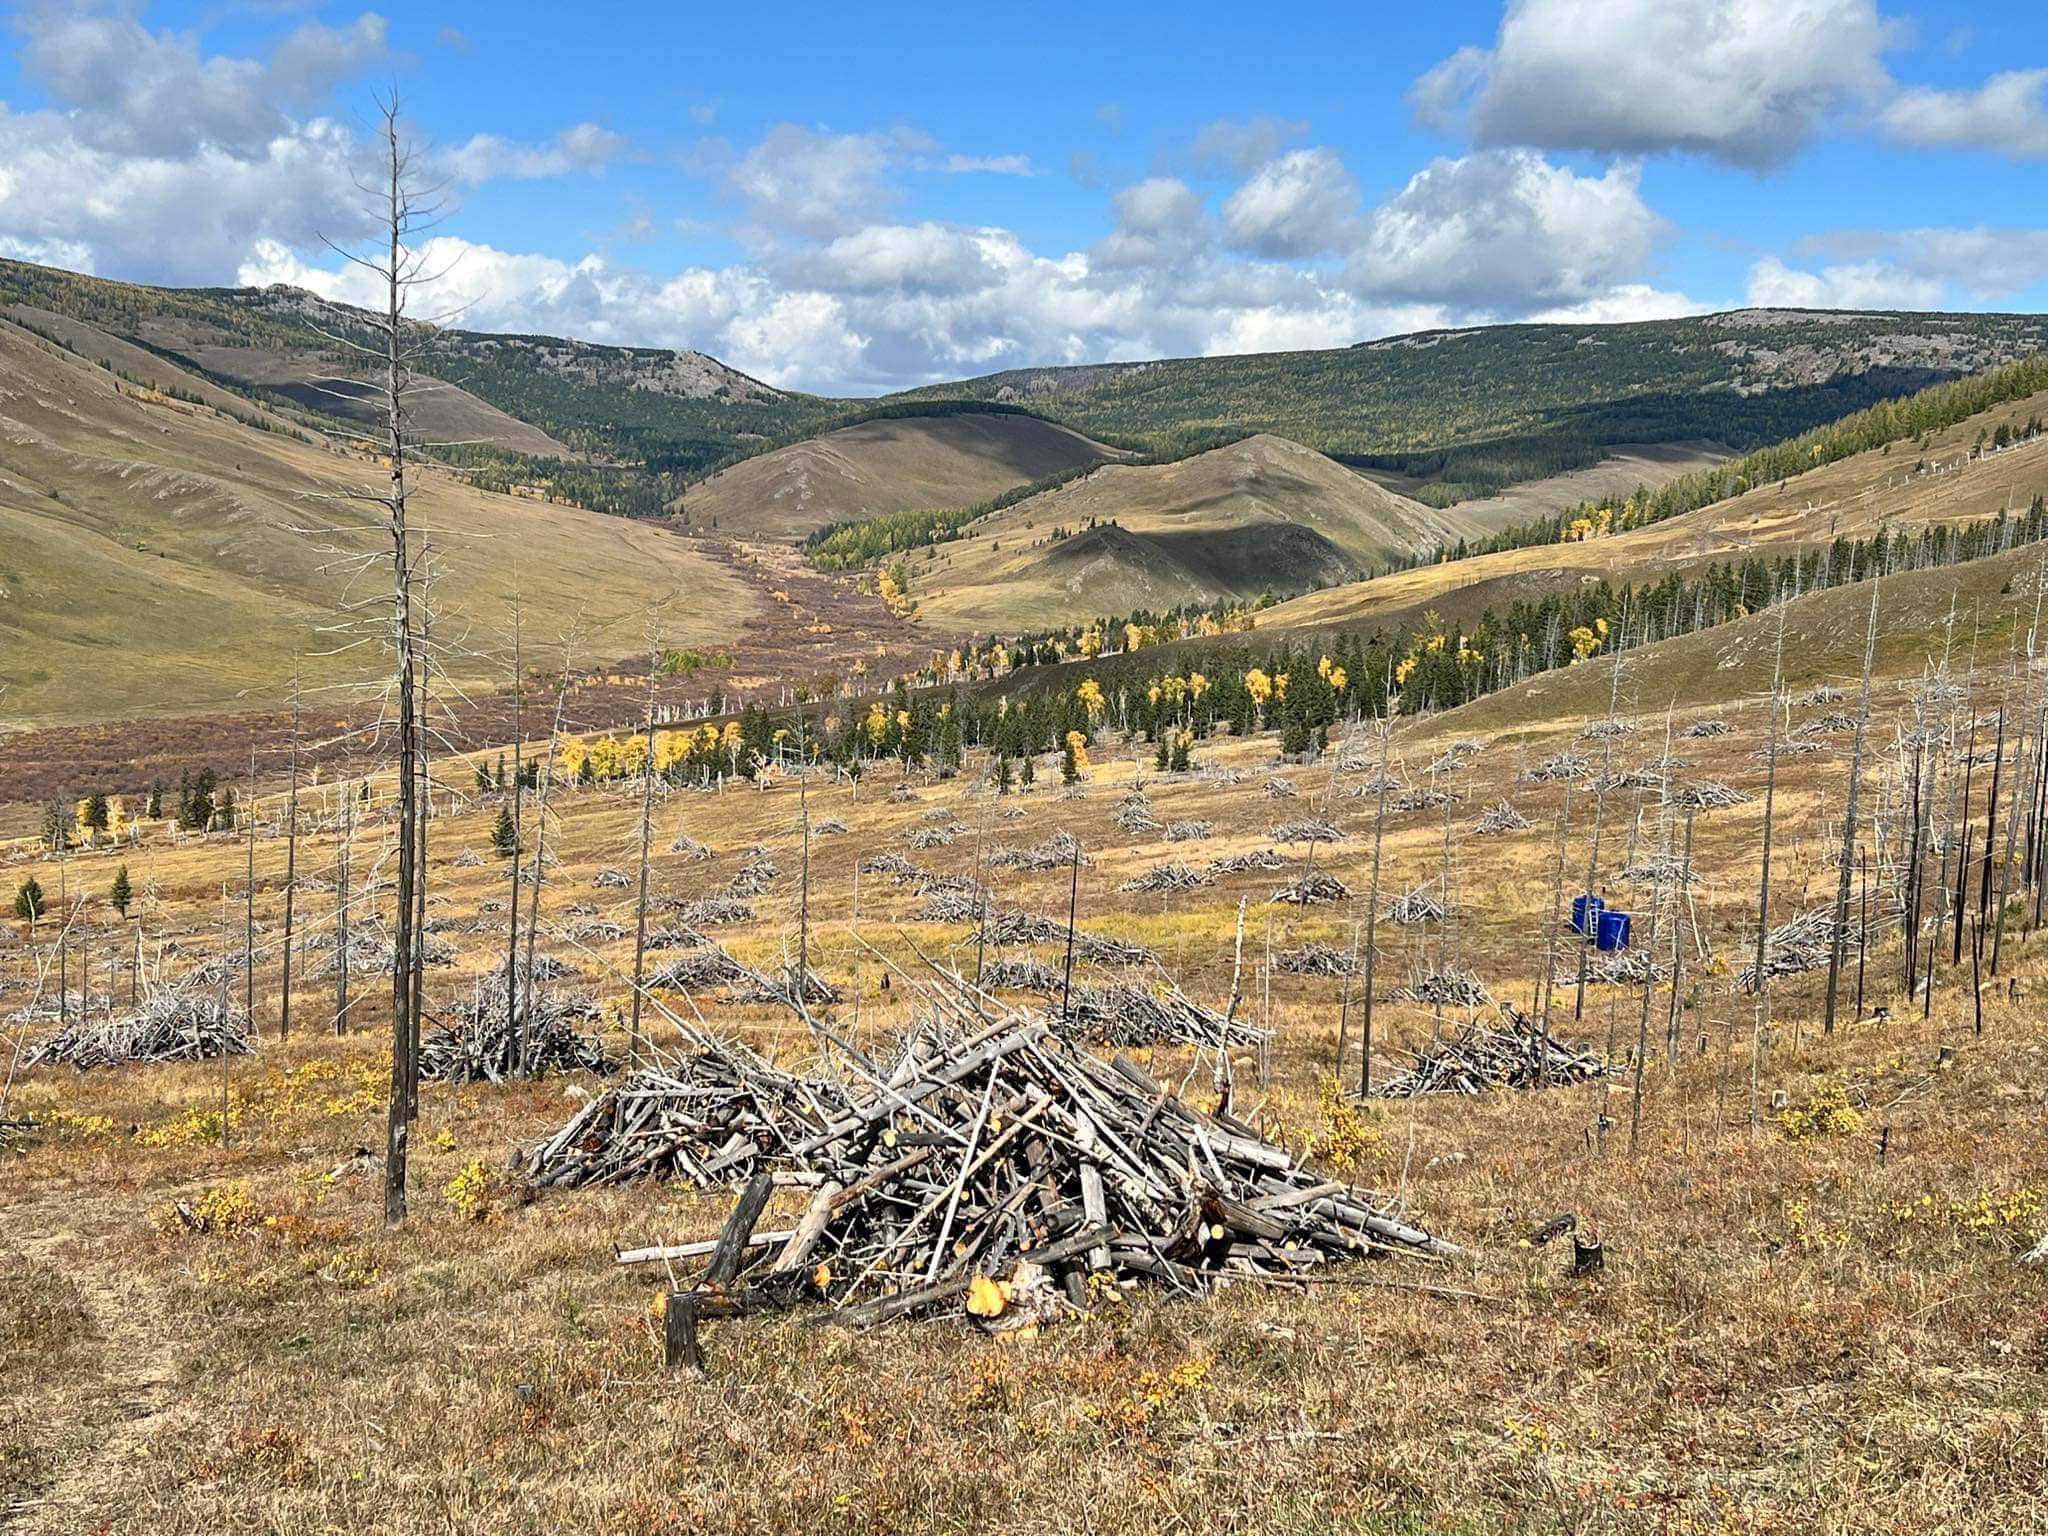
1159 222
1302 204
1243 145
1746 81
1507 231
154 93
989 165
486 157
2007 114
1621 304
802 182
1848 285
1981 265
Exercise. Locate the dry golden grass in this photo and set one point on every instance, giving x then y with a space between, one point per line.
1790 1335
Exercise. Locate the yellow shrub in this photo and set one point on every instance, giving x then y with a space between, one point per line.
470 1190
1827 1113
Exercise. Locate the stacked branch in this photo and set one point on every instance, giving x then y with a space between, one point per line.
1500 817
999 1170
185 1022
1517 1054
481 1039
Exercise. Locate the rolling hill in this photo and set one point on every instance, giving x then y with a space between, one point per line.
891 464
1454 415
1469 412
161 557
1260 514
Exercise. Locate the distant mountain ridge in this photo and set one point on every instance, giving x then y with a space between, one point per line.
1457 414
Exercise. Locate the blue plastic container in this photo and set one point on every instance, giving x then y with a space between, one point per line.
1613 931
1586 912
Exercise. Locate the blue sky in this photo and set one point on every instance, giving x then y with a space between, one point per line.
852 199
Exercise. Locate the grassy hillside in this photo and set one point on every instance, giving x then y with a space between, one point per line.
891 464
162 558
1260 514
1902 489
1468 412
1454 414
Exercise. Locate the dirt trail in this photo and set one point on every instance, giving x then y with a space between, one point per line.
129 1398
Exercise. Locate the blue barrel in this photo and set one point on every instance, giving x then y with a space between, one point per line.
1586 912
1613 930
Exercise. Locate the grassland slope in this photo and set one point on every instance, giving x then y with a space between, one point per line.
158 557
892 464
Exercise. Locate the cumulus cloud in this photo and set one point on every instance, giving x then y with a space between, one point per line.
1845 285
143 92
1159 222
803 182
989 165
486 157
1243 145
1302 204
1980 265
1507 231
1744 81
2008 114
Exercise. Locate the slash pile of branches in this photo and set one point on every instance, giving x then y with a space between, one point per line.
1244 863
1709 795
1312 890
1611 726
612 879
370 951
1448 986
690 847
1278 788
709 1116
1314 960
1188 831
1422 798
180 1022
1806 943
1021 973
998 1169
1138 1016
894 865
1170 876
1701 728
482 1039
1308 830
1555 770
1518 1054
931 837
1500 817
1134 814
1424 904
1056 852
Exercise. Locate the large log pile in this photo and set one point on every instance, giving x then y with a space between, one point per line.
194 1021
1517 1054
483 1039
996 1171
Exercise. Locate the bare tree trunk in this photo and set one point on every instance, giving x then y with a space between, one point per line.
1372 902
540 851
249 906
640 903
1763 891
1850 815
291 872
1599 818
341 867
518 815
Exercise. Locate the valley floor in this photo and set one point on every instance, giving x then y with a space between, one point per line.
1793 1332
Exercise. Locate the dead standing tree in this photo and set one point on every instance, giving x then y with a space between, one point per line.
1851 813
403 208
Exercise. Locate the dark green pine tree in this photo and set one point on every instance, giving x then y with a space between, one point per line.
156 800
1028 774
28 900
123 893
505 835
